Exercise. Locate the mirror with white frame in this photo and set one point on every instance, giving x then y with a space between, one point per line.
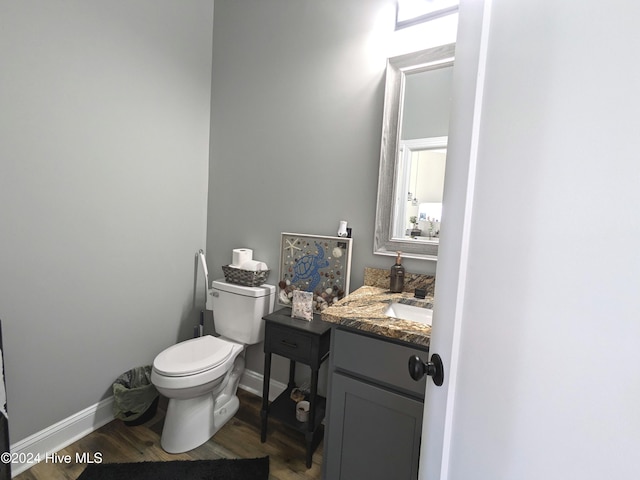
413 153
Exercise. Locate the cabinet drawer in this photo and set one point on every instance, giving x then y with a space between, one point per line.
378 360
289 343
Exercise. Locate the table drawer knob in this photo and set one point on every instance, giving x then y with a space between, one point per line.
289 344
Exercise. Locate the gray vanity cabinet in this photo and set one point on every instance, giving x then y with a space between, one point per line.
375 409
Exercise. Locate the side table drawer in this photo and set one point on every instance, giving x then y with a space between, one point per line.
288 343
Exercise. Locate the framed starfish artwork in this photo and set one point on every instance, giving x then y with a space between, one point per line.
314 263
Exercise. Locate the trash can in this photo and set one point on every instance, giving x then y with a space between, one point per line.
135 397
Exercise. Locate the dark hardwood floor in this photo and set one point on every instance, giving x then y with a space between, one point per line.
239 438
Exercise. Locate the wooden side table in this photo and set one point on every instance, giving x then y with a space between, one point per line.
299 341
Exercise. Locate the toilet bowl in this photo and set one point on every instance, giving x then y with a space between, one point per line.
200 376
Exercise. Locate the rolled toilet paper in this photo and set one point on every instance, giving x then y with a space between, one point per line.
240 256
302 411
254 266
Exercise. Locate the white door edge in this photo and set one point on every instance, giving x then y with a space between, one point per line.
431 450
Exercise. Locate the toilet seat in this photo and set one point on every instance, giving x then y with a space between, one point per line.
193 356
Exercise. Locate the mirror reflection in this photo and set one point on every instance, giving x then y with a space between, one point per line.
419 189
413 154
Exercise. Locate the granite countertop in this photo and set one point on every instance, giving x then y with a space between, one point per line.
364 310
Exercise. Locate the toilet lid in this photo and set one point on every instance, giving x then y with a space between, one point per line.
193 356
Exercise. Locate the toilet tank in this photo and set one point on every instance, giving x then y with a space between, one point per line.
238 310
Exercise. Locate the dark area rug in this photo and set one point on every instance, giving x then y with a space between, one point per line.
223 469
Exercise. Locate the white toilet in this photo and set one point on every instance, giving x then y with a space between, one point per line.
200 376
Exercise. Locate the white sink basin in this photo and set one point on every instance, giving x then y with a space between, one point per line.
410 312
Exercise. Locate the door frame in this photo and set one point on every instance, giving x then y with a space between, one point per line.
462 155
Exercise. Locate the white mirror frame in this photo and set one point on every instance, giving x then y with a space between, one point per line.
384 242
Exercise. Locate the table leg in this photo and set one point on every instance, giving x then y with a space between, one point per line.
264 413
309 435
292 374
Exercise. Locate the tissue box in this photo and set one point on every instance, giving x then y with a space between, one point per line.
244 277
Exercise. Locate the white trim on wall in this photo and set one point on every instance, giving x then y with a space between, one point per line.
252 382
58 436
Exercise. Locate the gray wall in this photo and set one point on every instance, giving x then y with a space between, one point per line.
104 136
297 93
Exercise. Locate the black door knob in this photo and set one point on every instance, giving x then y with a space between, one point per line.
434 368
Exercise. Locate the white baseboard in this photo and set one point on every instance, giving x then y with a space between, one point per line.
64 433
60 435
252 382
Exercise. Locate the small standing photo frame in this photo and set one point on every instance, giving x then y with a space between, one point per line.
302 306
316 264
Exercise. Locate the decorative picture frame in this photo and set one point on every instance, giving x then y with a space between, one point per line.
314 263
302 306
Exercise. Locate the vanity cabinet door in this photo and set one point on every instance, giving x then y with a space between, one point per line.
374 433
